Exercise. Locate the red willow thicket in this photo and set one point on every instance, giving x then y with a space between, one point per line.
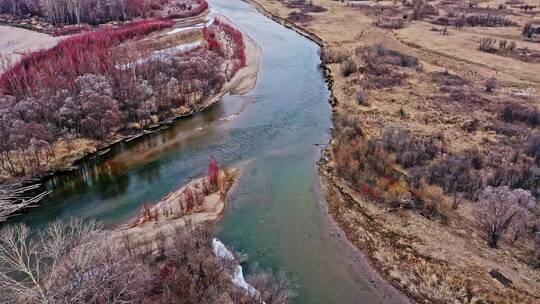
184 10
78 55
232 48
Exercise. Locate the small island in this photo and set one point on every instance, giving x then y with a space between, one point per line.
200 201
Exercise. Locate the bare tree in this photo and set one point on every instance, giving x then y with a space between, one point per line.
71 262
275 289
500 208
16 196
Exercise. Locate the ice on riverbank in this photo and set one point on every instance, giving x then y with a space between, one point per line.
162 54
193 27
238 278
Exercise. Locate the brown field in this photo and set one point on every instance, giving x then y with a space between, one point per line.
429 79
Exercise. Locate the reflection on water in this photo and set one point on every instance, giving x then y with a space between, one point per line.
274 216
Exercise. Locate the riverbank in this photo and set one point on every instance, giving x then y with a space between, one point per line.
428 259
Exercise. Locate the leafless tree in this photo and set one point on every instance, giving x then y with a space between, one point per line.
500 208
275 289
71 262
16 196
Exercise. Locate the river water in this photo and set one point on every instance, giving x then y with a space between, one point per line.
273 133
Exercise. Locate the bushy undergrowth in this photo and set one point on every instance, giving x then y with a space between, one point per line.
329 55
514 112
531 30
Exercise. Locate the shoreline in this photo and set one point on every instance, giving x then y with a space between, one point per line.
167 215
241 83
361 259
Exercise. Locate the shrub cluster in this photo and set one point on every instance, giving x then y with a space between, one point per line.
448 80
512 112
491 84
532 146
333 56
456 173
380 65
409 150
524 176
489 21
489 45
390 23
348 67
531 30
394 57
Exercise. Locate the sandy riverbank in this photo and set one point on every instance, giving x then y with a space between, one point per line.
17 41
168 215
245 79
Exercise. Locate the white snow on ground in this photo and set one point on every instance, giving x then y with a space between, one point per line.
221 251
196 26
176 49
238 278
161 54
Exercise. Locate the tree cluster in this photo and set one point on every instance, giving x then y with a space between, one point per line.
512 112
61 12
456 173
409 150
226 41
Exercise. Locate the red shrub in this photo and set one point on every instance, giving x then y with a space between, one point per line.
74 56
184 11
234 35
190 199
213 173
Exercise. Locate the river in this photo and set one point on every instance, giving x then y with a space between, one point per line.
274 133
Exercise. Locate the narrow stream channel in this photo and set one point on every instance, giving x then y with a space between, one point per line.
276 214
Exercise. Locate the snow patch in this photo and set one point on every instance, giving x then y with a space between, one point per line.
238 278
162 54
193 27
